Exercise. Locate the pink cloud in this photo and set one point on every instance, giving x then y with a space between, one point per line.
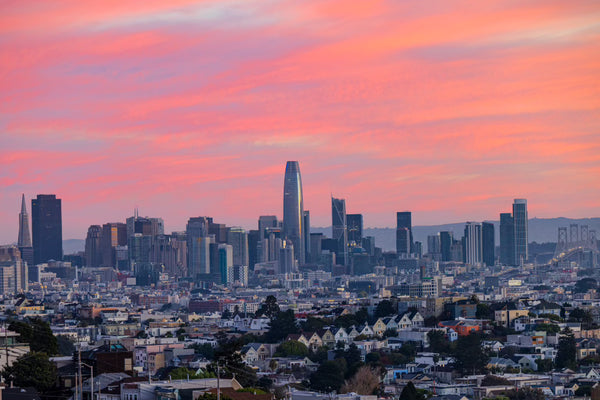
192 108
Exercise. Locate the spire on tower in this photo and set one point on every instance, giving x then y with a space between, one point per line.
24 239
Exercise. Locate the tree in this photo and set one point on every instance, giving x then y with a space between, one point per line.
469 355
282 325
583 285
32 370
66 347
230 360
353 359
313 324
567 349
384 308
438 342
183 373
410 392
584 316
328 377
544 365
493 380
206 350
365 381
525 393
269 308
291 348
37 333
484 311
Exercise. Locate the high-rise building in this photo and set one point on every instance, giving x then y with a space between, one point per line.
267 221
24 240
226 263
306 221
404 222
339 229
13 271
402 242
145 225
286 258
315 246
446 245
293 209
93 249
238 239
521 231
46 216
170 251
488 244
198 246
24 236
434 245
472 238
114 234
254 242
355 229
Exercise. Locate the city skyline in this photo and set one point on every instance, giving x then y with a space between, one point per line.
191 108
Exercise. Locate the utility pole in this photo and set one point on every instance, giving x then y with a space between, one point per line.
80 377
218 382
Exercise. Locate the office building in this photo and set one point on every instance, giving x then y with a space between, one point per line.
354 223
238 239
315 246
293 209
114 234
488 244
14 277
286 258
306 221
521 231
446 240
339 229
267 221
93 247
472 243
46 216
198 246
226 263
145 225
404 236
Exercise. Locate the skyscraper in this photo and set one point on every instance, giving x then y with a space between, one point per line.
472 238
488 244
307 248
198 246
47 228
238 239
521 231
93 249
24 236
24 241
293 209
267 221
404 237
355 228
446 245
114 234
339 229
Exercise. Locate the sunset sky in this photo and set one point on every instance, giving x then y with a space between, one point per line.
449 109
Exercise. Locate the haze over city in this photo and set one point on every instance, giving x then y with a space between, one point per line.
183 108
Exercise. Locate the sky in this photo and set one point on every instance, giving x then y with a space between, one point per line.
449 109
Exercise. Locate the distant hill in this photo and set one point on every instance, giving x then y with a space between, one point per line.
541 230
71 246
